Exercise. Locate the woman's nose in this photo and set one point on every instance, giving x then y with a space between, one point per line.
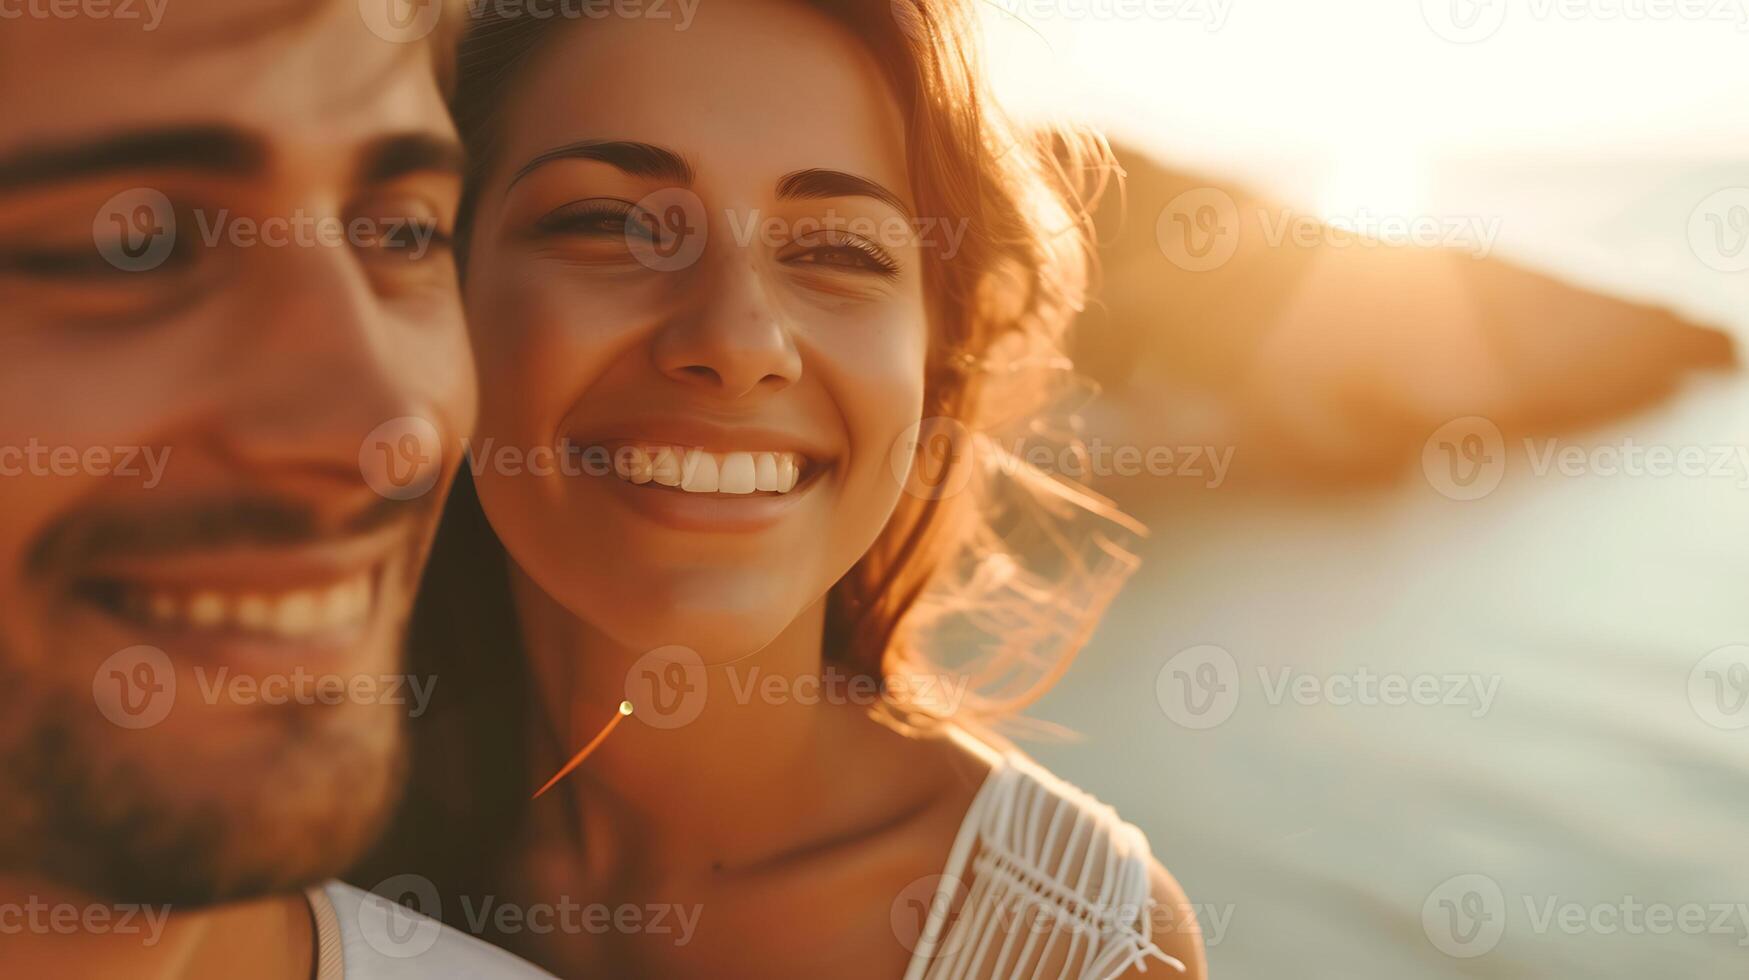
735 342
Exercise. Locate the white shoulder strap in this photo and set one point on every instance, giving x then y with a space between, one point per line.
1050 883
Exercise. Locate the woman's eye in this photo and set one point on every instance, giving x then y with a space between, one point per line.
845 252
600 219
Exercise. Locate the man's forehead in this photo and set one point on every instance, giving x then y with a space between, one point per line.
309 71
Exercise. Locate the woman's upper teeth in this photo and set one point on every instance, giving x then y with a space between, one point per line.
698 471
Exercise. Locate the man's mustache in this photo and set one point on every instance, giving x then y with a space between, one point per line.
238 522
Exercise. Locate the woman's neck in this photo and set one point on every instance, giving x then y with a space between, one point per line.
727 788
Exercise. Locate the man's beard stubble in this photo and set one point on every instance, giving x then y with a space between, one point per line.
183 824
78 810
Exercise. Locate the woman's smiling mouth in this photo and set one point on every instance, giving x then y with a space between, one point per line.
703 472
744 483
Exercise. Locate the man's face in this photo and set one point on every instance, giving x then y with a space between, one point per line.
202 597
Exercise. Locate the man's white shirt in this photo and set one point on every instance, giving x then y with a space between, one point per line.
364 936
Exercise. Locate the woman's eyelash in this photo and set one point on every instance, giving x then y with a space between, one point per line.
595 216
876 257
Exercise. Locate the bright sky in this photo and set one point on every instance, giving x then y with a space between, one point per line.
1592 129
1320 98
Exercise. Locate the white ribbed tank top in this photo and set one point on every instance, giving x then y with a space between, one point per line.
1053 885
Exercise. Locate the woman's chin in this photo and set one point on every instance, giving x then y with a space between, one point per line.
716 640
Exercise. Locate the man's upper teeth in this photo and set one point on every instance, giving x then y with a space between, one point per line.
298 613
697 471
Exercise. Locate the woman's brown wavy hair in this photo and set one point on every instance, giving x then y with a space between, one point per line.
1000 307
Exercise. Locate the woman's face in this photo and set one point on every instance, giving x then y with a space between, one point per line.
704 291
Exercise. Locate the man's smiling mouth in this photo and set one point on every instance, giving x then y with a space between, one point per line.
339 604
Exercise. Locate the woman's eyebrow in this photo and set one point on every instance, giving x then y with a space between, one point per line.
636 159
810 184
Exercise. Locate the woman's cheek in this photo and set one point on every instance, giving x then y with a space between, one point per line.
877 370
538 342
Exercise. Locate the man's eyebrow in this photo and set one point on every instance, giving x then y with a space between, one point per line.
211 149
806 184
636 159
400 155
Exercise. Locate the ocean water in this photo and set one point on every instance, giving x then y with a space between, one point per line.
1589 818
